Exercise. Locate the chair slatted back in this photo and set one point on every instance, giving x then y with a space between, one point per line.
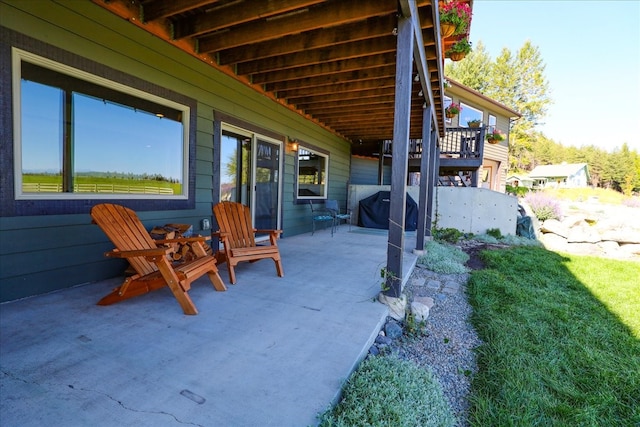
123 227
332 205
234 219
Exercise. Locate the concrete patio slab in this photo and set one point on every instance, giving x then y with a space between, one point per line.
268 352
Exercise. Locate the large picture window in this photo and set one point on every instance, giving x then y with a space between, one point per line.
468 113
80 136
312 179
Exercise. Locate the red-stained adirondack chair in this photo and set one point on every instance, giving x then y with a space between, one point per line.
238 238
149 259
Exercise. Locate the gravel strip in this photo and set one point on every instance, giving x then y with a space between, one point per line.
447 345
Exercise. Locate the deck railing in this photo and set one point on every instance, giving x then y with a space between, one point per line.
459 142
463 143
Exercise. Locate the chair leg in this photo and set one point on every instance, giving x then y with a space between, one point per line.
180 294
232 273
279 269
216 281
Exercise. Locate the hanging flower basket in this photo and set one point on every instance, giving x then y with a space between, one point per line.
452 110
494 136
455 12
459 50
447 29
474 123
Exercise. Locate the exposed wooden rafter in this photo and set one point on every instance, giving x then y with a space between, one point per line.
332 61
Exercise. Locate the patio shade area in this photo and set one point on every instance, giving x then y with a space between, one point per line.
269 351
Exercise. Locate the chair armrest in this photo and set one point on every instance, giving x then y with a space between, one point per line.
138 252
220 234
267 231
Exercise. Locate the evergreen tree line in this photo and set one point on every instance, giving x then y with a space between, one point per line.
519 82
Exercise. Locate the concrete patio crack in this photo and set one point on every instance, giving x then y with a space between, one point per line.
197 399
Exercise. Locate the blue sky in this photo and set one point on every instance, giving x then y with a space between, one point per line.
592 54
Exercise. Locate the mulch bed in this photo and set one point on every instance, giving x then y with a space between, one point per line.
475 263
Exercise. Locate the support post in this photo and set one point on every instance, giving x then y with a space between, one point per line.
381 163
434 155
425 161
400 157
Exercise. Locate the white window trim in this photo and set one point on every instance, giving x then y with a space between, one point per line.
463 107
326 175
19 55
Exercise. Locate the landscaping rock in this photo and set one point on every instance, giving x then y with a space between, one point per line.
554 226
397 306
393 330
595 229
583 233
419 311
384 340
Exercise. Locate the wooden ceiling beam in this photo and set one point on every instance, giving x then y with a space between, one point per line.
164 8
355 110
340 13
304 58
371 28
335 97
349 76
352 110
362 121
336 88
236 13
348 102
323 68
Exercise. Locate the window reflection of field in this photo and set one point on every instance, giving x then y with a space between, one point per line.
53 184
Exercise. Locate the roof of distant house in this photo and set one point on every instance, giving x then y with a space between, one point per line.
519 177
459 86
565 169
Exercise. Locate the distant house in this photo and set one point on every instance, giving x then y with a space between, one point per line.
520 181
565 175
493 115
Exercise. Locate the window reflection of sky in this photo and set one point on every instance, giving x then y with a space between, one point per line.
108 137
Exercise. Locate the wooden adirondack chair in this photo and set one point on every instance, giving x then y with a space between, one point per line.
149 259
238 238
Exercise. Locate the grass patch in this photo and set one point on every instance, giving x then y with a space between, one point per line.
560 339
582 194
388 392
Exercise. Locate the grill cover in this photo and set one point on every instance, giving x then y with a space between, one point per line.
373 212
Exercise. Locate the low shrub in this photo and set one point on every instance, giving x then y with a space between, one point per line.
485 238
495 232
517 191
544 207
451 235
513 240
443 258
387 392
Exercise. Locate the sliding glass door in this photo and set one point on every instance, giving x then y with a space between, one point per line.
250 173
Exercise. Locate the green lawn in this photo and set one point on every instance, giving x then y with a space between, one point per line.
562 340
